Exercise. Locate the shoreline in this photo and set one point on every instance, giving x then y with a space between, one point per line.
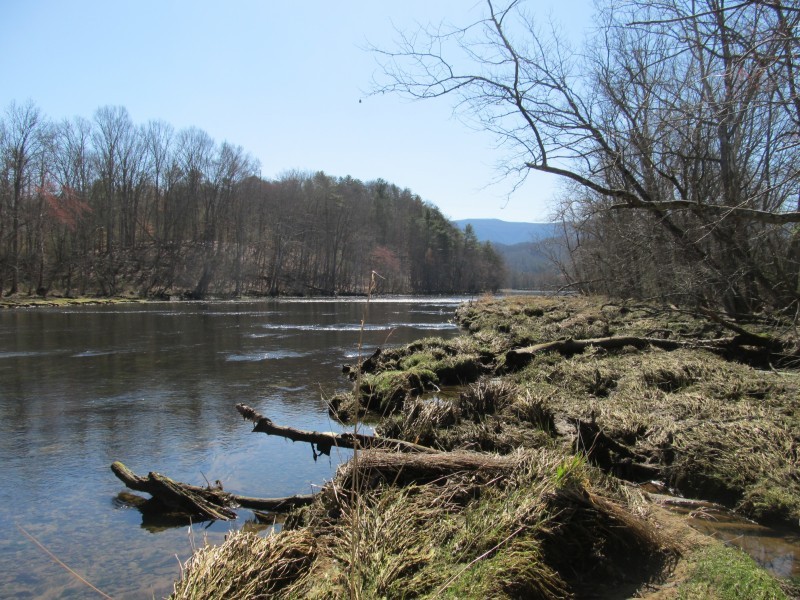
578 430
24 301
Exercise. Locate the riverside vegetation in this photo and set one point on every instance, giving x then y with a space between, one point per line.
538 446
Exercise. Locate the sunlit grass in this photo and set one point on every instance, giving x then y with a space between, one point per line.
719 572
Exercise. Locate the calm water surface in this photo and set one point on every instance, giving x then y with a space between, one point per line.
155 387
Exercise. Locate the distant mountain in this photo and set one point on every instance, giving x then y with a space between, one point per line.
529 266
509 233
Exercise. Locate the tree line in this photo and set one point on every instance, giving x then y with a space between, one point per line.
675 127
105 206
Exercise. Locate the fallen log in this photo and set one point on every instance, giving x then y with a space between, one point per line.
375 466
324 441
206 502
748 338
517 358
284 504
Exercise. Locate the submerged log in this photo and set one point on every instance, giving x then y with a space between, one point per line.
209 502
324 441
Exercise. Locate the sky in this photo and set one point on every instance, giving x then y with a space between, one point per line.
290 82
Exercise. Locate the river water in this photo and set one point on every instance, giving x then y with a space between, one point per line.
154 386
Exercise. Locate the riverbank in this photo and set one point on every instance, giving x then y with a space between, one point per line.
26 301
570 407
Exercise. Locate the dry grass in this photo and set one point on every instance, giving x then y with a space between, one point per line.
457 538
248 566
720 430
521 535
491 415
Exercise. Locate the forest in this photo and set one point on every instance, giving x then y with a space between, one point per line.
107 207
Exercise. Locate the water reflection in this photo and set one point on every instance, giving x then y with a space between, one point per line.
155 386
778 551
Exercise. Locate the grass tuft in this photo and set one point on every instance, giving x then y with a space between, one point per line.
247 566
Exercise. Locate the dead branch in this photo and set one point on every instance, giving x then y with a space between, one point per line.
612 456
284 504
209 503
324 441
745 337
519 357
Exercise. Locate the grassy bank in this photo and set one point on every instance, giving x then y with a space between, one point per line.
567 432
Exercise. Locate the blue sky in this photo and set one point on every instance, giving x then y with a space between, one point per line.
283 80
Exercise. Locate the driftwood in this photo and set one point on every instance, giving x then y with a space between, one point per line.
209 503
206 502
324 441
398 462
284 504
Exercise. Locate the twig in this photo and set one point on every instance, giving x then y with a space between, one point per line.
61 563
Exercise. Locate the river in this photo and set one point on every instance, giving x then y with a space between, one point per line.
154 386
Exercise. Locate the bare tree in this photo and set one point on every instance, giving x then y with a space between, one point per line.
681 110
73 172
24 123
120 154
72 164
158 140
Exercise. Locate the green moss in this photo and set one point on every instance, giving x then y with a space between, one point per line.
773 501
453 362
723 573
424 359
387 390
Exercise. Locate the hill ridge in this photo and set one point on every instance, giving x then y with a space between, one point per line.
509 233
